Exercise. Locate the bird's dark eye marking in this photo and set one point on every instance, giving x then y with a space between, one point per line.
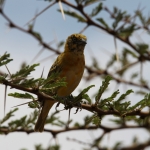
74 39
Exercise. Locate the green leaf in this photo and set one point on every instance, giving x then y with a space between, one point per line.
37 35
117 145
34 104
8 115
60 44
141 92
86 97
96 10
141 104
123 96
2 78
102 88
54 85
2 3
126 32
141 17
82 95
142 48
134 75
4 59
95 119
32 118
21 95
18 123
75 15
111 61
117 120
118 17
30 82
89 2
54 120
103 22
24 72
109 99
127 51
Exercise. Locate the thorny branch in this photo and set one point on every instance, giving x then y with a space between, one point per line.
96 72
91 108
55 132
45 45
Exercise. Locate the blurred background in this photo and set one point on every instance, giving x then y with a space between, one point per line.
54 29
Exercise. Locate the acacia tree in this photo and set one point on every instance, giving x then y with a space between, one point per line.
115 104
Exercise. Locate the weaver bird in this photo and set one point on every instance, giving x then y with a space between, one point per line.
70 65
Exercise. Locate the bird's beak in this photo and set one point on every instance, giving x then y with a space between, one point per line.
83 41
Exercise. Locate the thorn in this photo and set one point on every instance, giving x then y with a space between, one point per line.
68 118
37 55
23 103
117 56
61 9
40 13
8 70
5 99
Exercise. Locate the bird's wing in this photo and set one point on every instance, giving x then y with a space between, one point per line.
57 65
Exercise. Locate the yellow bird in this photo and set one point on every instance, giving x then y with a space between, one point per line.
70 64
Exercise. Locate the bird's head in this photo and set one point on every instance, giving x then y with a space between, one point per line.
75 43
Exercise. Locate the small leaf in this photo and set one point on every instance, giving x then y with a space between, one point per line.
118 17
109 99
24 71
111 61
102 88
21 95
89 2
75 15
126 32
103 22
134 75
8 115
142 48
34 104
123 96
81 95
37 35
18 123
96 10
60 44
142 19
4 59
86 97
2 78
129 52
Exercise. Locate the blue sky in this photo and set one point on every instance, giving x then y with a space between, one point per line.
51 25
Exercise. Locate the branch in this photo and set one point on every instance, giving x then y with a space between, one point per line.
91 108
45 45
109 31
29 31
55 132
137 147
105 72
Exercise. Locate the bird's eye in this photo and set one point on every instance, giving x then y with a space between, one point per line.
74 39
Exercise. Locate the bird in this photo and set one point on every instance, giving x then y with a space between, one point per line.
70 65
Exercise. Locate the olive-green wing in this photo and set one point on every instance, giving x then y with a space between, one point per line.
57 66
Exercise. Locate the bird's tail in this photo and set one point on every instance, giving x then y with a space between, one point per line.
39 126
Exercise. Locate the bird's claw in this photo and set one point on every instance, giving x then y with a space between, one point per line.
79 106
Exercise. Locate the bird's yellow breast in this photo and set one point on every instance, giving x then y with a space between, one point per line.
72 70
